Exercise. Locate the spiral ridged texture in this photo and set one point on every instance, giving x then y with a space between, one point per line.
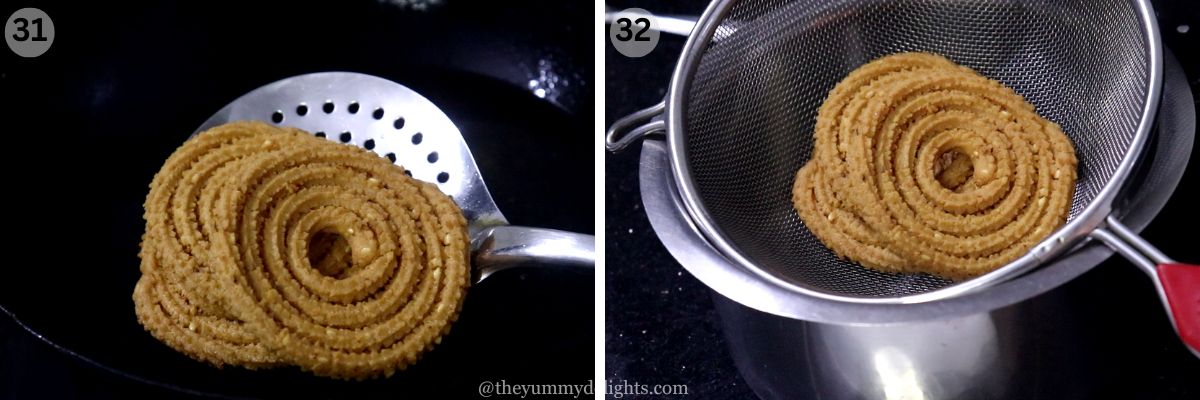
266 246
921 165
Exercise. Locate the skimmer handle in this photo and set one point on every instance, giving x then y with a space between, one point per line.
502 247
1178 284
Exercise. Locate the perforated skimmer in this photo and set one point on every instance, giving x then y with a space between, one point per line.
743 100
398 123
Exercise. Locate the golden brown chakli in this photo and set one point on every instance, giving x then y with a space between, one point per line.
921 165
267 246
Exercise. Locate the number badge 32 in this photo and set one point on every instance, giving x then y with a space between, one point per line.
634 32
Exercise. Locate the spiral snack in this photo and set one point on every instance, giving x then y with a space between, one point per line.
921 165
267 246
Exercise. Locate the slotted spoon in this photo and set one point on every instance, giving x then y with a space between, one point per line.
398 123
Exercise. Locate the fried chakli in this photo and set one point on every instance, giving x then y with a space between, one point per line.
921 165
266 246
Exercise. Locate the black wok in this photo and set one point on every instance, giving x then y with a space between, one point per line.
88 123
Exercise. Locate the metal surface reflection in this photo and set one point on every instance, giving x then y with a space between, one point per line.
940 359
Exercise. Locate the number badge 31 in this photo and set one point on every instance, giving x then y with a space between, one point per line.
634 32
29 32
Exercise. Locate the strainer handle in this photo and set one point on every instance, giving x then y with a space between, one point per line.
1178 284
502 247
635 126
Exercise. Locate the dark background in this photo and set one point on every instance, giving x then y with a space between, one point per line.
660 322
87 124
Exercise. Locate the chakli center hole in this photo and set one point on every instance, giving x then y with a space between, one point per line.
953 169
329 253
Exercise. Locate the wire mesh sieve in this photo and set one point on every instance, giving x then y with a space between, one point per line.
750 104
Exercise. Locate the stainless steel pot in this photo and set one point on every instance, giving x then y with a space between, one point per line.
976 345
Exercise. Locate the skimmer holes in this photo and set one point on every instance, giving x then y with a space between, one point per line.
432 157
346 137
443 177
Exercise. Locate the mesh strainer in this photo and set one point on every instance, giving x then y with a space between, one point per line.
745 93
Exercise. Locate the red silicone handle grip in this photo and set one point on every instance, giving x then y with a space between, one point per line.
1181 282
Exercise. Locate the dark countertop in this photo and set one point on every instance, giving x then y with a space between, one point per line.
660 321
